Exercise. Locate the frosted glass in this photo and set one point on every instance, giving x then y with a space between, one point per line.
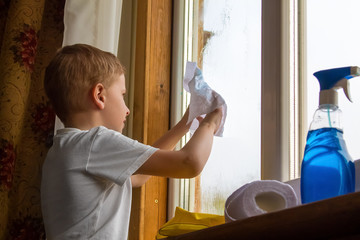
333 41
232 66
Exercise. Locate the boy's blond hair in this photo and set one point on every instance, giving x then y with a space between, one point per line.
73 72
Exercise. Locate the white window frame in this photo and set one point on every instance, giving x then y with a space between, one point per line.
181 191
284 123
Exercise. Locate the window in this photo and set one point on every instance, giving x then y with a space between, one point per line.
231 63
250 53
224 38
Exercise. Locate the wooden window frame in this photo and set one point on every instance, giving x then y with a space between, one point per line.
151 107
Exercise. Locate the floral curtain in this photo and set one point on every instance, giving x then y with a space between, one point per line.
30 33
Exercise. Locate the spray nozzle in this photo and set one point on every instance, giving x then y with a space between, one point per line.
344 84
332 79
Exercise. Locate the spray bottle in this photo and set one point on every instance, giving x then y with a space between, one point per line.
327 169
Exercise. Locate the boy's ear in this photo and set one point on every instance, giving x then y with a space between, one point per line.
98 96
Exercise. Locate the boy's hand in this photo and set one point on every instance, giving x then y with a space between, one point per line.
213 119
185 118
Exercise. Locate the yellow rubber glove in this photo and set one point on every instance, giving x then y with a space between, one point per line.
185 222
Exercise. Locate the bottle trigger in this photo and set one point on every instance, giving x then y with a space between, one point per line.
345 85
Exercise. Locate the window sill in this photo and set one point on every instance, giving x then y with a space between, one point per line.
335 218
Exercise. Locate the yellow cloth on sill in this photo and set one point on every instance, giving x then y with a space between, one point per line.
185 222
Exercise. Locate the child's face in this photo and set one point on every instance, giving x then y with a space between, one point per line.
116 111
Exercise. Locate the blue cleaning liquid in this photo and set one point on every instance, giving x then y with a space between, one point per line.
327 170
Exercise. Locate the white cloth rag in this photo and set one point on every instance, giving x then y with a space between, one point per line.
203 99
259 197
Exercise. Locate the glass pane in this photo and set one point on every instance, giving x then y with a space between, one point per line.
333 41
231 63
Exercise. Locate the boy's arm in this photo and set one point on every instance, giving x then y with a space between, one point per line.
167 142
190 160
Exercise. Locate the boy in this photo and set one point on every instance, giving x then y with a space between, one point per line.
90 169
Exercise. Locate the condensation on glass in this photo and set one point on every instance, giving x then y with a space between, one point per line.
229 53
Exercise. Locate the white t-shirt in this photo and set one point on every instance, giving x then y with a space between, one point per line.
86 186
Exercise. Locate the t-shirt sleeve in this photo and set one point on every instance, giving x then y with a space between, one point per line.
116 157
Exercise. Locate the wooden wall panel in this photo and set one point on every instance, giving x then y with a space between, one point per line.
151 108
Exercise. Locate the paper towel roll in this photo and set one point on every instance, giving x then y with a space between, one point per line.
295 184
259 197
357 175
